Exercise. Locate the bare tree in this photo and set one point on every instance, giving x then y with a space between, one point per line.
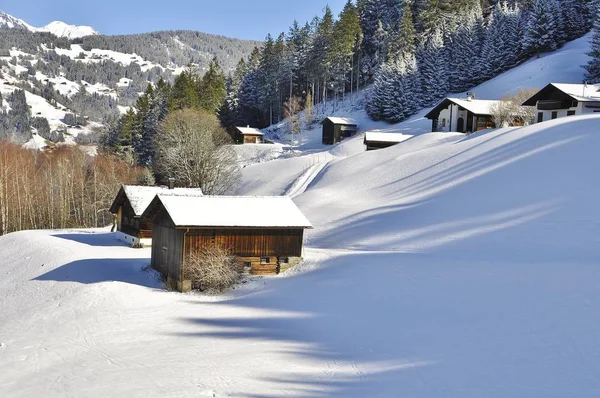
213 268
291 110
192 147
510 112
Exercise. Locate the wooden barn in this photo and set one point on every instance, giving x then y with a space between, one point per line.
265 233
336 129
379 140
248 135
129 205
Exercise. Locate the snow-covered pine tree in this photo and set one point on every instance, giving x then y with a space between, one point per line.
501 49
372 14
380 94
541 33
464 51
593 67
346 33
404 38
396 90
433 64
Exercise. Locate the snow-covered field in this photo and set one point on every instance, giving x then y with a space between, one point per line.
446 266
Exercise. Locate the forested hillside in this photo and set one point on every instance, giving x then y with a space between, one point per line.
97 77
414 52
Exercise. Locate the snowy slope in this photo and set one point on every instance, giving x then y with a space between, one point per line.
8 21
461 266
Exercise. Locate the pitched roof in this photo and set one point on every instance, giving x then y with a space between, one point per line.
140 196
249 131
579 92
477 106
232 211
341 120
376 136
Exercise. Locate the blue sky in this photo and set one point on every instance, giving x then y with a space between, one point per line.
247 19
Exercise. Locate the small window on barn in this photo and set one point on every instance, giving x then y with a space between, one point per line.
265 260
284 260
554 115
570 113
540 117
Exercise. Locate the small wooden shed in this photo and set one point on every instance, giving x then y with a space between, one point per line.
335 129
265 233
379 140
249 135
129 205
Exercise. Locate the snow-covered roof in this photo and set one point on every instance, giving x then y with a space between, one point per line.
249 131
477 106
141 196
580 92
341 120
386 137
234 211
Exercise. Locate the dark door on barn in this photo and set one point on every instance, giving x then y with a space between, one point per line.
460 125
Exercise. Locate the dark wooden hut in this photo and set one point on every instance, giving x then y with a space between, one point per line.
129 205
335 129
265 233
378 140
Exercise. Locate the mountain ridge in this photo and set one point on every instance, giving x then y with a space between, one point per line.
57 28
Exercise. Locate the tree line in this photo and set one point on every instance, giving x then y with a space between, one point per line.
64 188
413 52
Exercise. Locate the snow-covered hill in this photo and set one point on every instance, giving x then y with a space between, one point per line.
57 28
450 265
461 266
8 21
61 29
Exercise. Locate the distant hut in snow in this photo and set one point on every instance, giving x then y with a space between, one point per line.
335 129
378 140
248 135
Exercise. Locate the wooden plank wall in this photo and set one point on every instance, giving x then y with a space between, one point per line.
249 242
165 236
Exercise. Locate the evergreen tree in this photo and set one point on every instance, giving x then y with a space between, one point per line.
212 90
404 39
185 93
346 34
501 48
542 31
593 67
394 96
465 50
433 66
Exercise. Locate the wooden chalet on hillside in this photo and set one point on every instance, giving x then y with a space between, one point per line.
379 140
335 129
560 100
462 115
265 233
248 135
129 205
